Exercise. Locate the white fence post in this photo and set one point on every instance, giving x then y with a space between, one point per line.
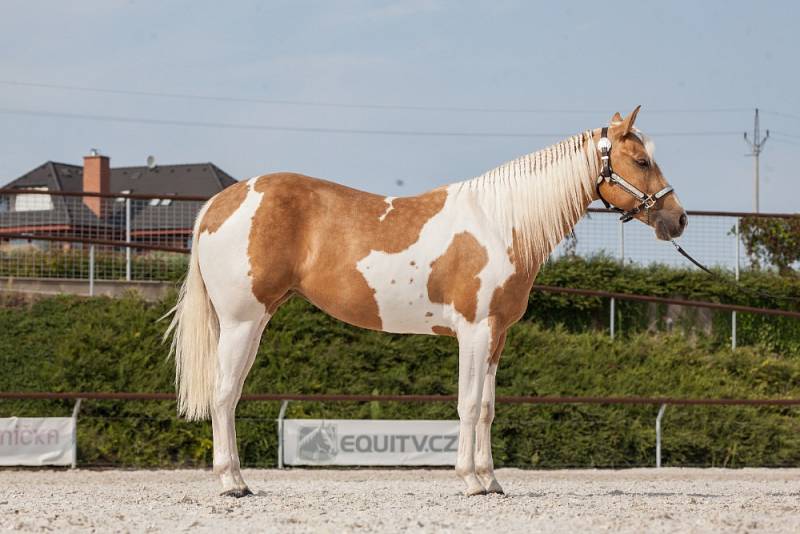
658 434
91 270
281 415
75 411
128 239
613 314
736 272
613 322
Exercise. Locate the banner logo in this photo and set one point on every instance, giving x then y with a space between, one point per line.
37 441
369 442
317 443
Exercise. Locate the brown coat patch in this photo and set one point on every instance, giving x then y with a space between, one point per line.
497 349
308 235
223 205
454 275
443 331
510 300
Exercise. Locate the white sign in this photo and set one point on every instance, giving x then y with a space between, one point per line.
37 441
369 442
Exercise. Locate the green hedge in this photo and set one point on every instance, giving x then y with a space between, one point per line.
74 344
577 313
581 313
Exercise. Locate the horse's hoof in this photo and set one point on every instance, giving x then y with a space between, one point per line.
494 487
238 493
472 492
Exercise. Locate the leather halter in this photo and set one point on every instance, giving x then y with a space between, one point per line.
609 176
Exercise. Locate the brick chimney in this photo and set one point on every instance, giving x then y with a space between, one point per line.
96 179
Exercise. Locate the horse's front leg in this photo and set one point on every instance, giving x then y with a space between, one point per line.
473 359
484 465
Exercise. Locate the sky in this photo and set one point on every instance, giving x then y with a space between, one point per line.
396 97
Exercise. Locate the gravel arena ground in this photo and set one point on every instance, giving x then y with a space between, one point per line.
637 500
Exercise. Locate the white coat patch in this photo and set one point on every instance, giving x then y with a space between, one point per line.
400 280
225 263
389 201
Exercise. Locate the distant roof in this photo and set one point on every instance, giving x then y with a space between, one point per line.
195 179
203 179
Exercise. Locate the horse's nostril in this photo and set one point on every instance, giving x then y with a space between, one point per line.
683 220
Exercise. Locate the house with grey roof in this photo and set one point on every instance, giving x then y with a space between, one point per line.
164 219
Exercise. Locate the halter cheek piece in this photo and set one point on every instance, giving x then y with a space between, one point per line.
609 176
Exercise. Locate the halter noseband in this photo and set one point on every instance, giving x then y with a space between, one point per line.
609 176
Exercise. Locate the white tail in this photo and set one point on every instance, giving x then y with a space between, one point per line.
195 336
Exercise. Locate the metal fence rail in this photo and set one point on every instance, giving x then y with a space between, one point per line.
500 399
662 300
285 398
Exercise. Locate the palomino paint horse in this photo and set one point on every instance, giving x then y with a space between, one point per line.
458 261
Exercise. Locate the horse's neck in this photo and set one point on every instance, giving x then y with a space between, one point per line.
537 199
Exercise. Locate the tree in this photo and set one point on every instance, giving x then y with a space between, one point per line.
772 241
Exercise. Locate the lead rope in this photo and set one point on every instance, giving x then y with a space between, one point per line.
734 283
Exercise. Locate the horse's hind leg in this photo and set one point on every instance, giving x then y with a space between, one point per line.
238 344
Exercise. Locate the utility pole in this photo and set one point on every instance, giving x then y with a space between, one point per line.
756 145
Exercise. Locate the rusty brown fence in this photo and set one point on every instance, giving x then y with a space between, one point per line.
285 398
501 399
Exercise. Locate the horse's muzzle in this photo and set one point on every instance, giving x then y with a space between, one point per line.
669 225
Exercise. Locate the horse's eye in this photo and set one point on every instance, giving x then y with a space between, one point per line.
643 163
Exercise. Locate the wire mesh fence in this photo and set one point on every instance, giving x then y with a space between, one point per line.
713 239
81 236
75 235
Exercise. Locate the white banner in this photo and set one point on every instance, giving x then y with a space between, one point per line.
37 441
369 442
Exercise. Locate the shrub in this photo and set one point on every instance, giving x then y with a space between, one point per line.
101 344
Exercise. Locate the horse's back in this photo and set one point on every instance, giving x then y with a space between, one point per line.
295 233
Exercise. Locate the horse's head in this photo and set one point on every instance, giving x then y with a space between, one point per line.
632 181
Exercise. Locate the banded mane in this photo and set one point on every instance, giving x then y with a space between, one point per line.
536 199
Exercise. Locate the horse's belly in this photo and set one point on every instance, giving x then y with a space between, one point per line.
408 310
400 285
403 306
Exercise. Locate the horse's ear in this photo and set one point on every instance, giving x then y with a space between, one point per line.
616 118
627 124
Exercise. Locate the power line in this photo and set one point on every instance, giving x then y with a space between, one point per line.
314 129
265 127
783 114
779 140
347 105
794 136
